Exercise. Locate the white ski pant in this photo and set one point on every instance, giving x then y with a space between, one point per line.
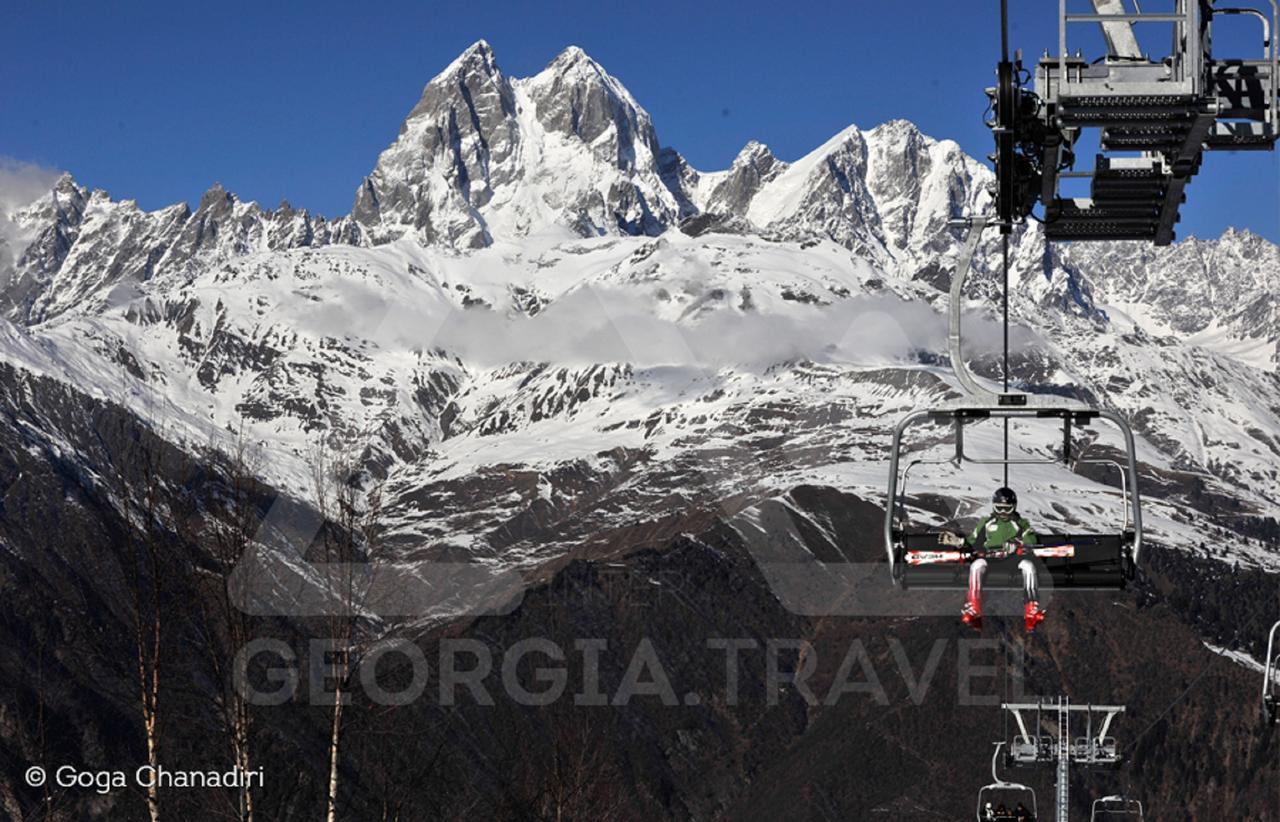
979 569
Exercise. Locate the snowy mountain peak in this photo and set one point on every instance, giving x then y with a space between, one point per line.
752 152
573 65
65 199
65 184
476 68
754 166
477 55
897 128
572 54
481 158
575 96
216 197
452 152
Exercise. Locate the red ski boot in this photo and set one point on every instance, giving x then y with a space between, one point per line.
971 615
1033 615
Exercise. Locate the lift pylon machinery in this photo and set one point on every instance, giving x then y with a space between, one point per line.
1036 744
1155 116
1271 680
1001 792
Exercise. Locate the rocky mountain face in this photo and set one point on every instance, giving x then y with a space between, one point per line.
90 250
483 157
1219 293
555 349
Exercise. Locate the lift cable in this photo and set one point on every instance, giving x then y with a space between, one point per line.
1004 246
1005 249
1204 670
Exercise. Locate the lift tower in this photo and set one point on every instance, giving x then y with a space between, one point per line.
1035 745
1156 116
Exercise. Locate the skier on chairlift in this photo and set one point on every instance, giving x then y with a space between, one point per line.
1002 534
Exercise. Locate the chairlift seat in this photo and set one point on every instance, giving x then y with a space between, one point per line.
1117 808
1013 793
1101 562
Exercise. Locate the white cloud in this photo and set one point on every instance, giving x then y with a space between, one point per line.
591 325
21 184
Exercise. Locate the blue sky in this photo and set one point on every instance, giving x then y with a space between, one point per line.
156 101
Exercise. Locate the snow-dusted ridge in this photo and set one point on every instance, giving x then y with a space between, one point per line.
536 311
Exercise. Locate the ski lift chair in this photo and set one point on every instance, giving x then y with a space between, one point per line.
1087 561
1099 561
1270 675
1096 750
1028 750
1116 809
1010 794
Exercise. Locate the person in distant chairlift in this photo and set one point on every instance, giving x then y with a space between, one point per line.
1004 533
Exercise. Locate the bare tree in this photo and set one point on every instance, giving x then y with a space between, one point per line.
227 530
30 722
350 536
401 756
563 771
148 538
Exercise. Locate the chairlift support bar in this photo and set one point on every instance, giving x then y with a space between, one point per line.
961 457
1270 687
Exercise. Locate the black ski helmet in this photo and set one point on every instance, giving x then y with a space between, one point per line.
1005 496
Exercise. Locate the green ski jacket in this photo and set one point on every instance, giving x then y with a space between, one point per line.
994 532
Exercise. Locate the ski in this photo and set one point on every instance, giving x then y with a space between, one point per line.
942 557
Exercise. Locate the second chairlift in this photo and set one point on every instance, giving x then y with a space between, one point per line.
1271 680
1116 809
1002 794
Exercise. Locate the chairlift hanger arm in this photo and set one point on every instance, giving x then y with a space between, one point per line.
999 785
1269 684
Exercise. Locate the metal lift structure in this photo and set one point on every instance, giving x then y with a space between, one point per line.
1155 118
1002 792
1271 680
1036 745
1116 809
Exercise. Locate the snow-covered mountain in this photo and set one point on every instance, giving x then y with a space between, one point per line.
545 337
482 157
537 314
